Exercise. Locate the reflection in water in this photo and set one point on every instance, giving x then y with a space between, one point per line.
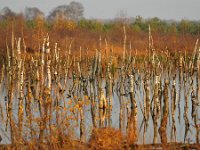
40 100
165 113
174 97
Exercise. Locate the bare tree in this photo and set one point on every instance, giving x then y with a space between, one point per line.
6 12
59 11
33 13
76 10
73 11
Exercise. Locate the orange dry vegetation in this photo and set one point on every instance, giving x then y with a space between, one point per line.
132 137
107 138
89 40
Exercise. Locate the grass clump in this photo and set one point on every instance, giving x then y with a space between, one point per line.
107 138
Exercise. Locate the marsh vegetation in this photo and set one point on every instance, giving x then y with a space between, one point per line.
58 100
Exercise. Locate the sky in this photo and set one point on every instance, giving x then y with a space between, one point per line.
108 9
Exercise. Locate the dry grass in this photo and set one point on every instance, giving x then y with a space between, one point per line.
132 137
34 145
107 138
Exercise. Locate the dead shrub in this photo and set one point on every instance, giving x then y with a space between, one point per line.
106 138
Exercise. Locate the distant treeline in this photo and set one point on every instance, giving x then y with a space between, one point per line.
72 16
66 26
